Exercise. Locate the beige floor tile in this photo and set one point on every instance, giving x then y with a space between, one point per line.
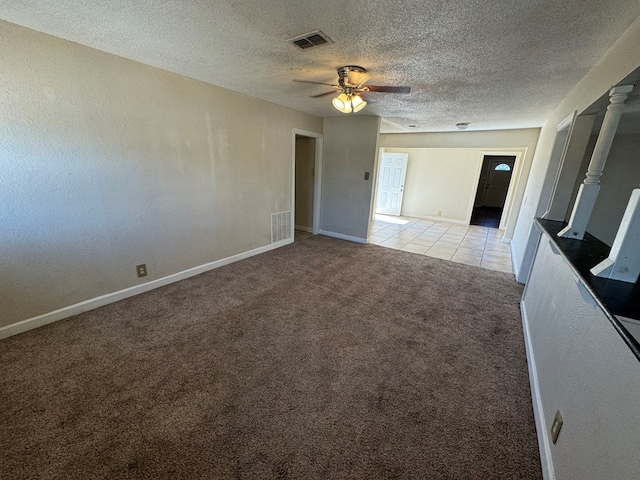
502 256
472 245
415 248
448 242
494 261
434 237
472 238
377 239
409 232
396 228
498 267
424 241
472 234
439 254
463 249
454 233
497 254
425 223
384 234
443 248
394 243
496 240
466 259
416 228
436 229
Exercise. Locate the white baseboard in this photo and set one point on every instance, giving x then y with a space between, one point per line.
62 313
343 237
434 219
538 412
303 229
514 264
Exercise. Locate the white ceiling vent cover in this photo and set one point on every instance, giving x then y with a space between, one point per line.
311 39
280 226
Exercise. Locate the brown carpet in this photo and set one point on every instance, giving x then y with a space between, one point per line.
320 360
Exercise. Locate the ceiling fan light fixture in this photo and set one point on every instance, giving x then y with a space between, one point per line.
342 103
358 103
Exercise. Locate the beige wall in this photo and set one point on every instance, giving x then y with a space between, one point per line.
440 182
108 163
521 141
305 164
621 59
350 146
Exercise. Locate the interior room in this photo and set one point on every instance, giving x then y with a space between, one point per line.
207 271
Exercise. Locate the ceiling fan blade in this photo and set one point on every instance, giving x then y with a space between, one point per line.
316 83
378 88
357 78
323 94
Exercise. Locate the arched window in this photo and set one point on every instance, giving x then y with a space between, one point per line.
503 167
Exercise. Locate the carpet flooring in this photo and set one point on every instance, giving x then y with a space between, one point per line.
323 359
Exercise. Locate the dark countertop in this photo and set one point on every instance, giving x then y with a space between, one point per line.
616 298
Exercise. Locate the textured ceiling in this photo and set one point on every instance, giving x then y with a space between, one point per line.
494 64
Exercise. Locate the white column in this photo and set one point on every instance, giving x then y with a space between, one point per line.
624 259
589 189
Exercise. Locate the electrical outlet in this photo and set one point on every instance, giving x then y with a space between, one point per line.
142 270
366 175
556 426
439 213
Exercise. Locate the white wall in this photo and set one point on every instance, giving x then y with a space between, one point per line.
440 182
108 163
620 60
496 141
350 146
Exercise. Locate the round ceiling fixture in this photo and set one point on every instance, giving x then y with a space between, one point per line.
462 126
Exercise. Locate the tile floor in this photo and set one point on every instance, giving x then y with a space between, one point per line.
470 244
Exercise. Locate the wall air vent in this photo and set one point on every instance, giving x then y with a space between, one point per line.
311 39
280 226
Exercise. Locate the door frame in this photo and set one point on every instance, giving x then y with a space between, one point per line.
507 211
488 174
317 180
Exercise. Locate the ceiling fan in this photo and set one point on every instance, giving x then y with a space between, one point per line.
351 84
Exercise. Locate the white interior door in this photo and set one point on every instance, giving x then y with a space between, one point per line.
393 170
498 179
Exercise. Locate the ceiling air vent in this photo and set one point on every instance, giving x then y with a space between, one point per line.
311 39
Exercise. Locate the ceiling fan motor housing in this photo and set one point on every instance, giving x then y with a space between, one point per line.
343 75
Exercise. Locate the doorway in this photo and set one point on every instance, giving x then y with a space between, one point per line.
493 186
307 173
